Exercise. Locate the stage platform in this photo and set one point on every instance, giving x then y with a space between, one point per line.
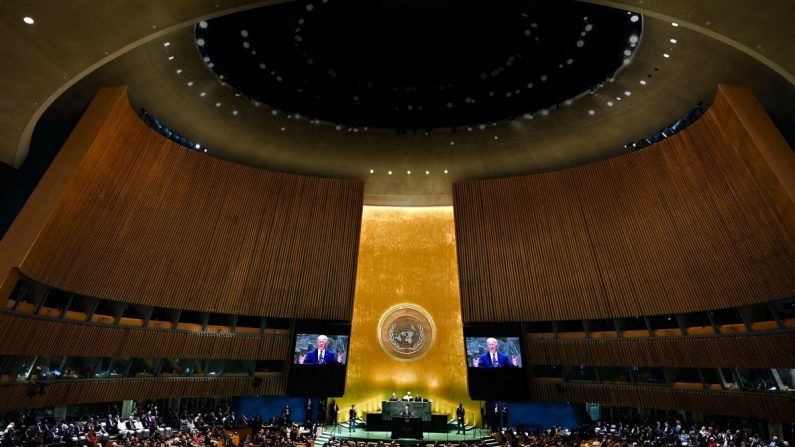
372 436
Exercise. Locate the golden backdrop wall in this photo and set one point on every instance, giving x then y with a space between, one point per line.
407 256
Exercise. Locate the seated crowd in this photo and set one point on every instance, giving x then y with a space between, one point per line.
656 434
146 428
219 428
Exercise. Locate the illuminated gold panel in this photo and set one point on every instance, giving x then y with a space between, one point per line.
407 256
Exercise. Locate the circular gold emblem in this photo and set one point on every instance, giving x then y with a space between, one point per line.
406 332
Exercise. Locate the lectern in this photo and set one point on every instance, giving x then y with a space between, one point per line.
406 428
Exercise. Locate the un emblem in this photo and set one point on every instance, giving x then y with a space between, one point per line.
406 332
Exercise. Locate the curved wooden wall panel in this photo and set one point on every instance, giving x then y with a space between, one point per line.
774 350
687 224
147 221
89 391
757 406
20 335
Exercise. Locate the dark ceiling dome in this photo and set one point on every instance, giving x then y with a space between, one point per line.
416 65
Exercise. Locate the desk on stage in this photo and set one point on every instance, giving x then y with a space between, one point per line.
406 428
391 410
437 424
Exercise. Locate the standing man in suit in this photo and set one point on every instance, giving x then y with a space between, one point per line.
334 410
459 418
406 413
493 358
321 411
308 408
496 418
352 419
320 355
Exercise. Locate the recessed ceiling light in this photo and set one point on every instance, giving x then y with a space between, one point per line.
427 172
627 93
203 94
198 146
445 171
634 19
28 20
171 58
642 82
372 171
190 83
234 112
609 103
389 173
200 42
674 24
203 24
666 55
179 70
217 104
165 44
673 40
633 39
408 172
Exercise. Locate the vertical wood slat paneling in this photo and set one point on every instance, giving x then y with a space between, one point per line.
147 221
684 225
21 335
90 391
757 406
772 350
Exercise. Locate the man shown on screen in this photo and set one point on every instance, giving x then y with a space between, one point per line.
493 358
406 413
320 355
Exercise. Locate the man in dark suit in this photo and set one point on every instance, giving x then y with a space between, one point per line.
459 418
320 355
493 358
406 413
333 411
352 419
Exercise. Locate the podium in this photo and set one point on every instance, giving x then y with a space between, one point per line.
391 410
406 428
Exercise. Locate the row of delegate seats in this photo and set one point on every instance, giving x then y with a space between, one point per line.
759 326
48 312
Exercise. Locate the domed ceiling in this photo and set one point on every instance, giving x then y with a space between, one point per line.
407 96
417 65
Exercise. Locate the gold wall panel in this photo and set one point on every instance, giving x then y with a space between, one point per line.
407 256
